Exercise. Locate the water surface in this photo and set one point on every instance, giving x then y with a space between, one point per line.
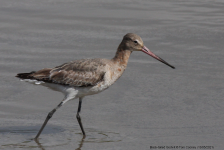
150 105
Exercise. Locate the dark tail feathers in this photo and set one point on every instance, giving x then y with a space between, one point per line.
25 75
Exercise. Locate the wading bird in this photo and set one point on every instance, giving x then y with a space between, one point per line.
79 78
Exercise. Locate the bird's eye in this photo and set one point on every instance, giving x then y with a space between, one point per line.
135 42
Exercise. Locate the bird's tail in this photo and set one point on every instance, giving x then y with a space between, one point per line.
25 75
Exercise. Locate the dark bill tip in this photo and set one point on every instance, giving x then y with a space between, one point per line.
147 51
163 61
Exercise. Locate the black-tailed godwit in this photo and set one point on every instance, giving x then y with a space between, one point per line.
79 78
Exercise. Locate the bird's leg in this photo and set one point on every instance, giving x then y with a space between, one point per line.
79 118
50 114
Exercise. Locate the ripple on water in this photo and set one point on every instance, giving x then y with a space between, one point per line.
96 136
55 137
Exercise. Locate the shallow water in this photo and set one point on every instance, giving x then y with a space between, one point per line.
150 105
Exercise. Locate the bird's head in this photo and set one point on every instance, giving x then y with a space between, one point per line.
134 42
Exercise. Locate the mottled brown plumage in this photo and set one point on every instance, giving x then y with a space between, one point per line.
84 72
84 77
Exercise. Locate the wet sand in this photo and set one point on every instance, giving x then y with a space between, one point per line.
150 105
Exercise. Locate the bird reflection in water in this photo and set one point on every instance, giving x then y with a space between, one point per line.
43 148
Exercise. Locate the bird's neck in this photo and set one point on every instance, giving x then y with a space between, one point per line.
121 57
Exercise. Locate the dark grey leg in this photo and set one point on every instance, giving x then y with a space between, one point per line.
46 120
79 118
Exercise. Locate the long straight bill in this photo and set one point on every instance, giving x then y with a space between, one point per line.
147 51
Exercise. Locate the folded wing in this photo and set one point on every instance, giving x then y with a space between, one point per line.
84 72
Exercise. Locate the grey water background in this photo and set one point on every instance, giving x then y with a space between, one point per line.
150 105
